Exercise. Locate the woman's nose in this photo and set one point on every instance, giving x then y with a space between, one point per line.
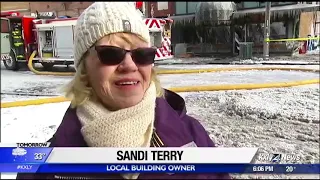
128 64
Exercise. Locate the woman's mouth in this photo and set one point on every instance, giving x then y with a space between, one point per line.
127 83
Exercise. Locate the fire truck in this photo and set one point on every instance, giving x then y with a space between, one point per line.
53 40
16 39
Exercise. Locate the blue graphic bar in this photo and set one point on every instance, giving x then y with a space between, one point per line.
163 168
24 155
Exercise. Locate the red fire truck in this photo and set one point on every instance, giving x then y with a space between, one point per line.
17 39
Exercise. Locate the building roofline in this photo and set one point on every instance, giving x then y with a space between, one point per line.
278 9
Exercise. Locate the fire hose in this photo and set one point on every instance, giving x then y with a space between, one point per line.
30 66
180 89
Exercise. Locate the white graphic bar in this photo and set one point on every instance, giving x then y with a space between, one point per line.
152 155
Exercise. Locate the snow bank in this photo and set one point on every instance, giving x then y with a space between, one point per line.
275 120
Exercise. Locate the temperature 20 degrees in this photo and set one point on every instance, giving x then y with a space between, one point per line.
39 156
290 169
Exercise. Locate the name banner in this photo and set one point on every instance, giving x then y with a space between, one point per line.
162 168
95 155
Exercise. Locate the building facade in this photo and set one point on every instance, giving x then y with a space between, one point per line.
288 19
256 4
22 7
161 9
165 9
185 8
72 9
248 20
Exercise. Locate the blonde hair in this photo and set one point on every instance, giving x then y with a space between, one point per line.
79 89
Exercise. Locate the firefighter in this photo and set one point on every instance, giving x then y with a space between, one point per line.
18 43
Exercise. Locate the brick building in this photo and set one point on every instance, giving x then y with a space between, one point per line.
22 7
73 9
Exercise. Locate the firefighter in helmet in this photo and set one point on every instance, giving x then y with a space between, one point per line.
18 40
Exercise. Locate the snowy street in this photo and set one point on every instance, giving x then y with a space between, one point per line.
283 120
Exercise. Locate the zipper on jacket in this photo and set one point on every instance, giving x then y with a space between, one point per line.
156 140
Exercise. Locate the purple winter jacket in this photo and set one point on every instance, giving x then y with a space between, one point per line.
173 126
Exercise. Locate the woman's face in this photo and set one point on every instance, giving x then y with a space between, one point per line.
113 83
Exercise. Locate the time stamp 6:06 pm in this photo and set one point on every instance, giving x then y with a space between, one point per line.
270 169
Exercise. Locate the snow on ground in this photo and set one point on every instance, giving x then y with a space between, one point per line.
240 77
25 82
29 85
297 59
283 120
188 66
32 127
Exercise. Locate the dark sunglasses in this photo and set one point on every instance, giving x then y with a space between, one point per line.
112 55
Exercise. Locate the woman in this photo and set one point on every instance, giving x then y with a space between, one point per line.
117 100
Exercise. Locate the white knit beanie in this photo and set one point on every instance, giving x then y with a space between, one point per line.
103 18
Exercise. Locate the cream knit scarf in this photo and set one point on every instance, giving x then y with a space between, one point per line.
129 127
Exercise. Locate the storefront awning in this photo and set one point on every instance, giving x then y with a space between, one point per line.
291 10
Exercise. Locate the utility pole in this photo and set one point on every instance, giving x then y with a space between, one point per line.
266 31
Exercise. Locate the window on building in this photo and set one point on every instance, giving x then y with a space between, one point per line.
317 29
162 5
246 5
4 26
278 30
186 7
250 4
192 7
317 25
181 7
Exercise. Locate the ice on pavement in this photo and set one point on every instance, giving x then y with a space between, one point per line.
239 77
32 84
282 120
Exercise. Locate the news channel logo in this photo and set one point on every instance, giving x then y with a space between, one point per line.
19 154
277 158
